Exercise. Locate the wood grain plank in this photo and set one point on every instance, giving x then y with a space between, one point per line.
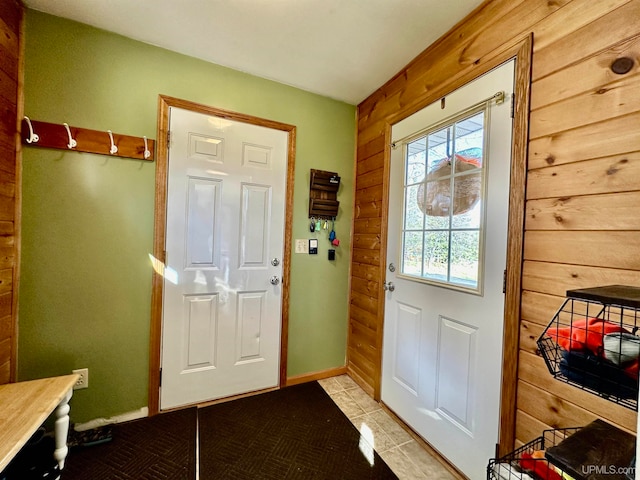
365 302
8 162
9 49
539 308
367 225
590 74
598 249
364 209
618 173
367 272
612 100
598 35
616 211
6 330
363 317
8 88
370 179
5 304
361 357
5 373
570 18
362 335
557 278
6 280
612 137
370 163
528 428
550 409
529 334
10 14
365 287
5 350
368 257
370 149
368 241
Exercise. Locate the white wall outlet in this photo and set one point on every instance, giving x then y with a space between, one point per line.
83 381
302 245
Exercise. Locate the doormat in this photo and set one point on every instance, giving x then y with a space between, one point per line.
293 433
152 448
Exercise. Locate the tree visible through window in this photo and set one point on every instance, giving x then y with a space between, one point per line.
443 202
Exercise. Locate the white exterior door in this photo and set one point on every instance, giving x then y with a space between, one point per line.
443 331
224 245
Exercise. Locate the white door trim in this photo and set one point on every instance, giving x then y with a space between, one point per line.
164 103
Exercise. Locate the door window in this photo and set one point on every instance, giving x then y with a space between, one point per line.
443 208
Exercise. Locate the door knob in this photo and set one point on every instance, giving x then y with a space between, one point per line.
275 280
275 262
389 286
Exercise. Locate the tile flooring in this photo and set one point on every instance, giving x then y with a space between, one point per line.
407 459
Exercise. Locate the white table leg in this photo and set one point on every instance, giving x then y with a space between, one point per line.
62 430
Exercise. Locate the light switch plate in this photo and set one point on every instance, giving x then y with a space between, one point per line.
302 245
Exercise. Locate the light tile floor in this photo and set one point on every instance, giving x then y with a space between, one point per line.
407 459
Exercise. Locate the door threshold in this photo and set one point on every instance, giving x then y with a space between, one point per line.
208 403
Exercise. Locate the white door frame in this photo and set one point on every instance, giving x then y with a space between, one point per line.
159 236
522 52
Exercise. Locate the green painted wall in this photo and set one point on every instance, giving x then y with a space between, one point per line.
87 220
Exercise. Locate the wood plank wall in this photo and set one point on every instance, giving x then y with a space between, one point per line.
10 109
583 181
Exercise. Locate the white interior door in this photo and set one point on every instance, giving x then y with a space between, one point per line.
443 331
224 245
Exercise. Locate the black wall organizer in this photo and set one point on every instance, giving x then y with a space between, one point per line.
591 342
323 193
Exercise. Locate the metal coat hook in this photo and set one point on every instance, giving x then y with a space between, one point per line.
72 143
113 150
147 153
33 138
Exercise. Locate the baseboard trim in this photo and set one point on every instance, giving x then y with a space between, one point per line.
310 377
100 422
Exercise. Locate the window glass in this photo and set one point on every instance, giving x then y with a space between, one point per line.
443 203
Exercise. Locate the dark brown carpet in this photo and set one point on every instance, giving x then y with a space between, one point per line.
156 448
294 433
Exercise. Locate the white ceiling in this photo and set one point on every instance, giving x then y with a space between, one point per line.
343 49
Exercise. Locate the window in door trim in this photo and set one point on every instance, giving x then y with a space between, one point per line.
465 219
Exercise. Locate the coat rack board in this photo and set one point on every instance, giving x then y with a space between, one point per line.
65 137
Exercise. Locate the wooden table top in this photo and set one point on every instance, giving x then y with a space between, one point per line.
24 406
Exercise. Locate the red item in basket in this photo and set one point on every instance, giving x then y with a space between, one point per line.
540 467
585 334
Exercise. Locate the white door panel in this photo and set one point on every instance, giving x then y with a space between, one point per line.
442 345
225 222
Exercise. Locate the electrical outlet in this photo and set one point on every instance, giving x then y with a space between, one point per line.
83 381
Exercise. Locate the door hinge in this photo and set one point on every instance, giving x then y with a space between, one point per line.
513 105
504 282
168 138
160 382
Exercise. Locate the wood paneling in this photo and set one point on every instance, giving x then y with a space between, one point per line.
582 181
10 110
602 139
615 211
602 175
